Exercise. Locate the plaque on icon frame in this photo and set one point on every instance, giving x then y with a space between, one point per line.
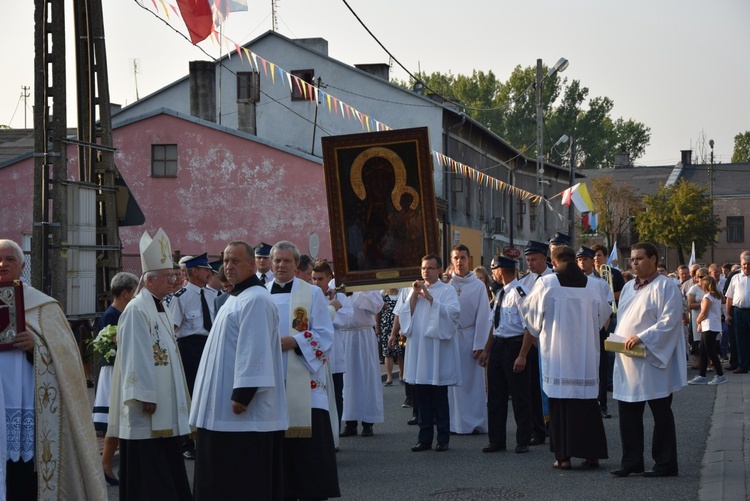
12 316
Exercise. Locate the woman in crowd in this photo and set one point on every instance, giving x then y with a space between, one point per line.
123 287
385 321
709 326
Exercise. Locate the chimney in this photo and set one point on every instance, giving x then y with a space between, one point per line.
687 157
203 90
622 160
317 44
380 70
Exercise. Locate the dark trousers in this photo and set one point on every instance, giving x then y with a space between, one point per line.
741 323
411 394
153 470
539 427
433 408
664 440
191 350
338 392
708 351
21 481
501 383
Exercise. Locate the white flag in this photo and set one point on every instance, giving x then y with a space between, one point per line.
692 256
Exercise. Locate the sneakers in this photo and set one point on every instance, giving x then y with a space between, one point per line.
718 380
698 380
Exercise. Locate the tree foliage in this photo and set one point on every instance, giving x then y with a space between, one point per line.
741 147
615 202
509 110
677 216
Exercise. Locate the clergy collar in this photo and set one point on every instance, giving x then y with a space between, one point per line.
284 288
246 284
157 302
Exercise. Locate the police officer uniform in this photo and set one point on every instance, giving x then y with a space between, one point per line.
503 382
264 250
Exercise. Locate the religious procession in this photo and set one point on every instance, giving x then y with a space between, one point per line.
255 367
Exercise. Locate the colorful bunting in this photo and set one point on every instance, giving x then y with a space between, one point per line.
197 17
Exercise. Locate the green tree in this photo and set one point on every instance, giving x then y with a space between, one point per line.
509 110
741 147
615 202
678 215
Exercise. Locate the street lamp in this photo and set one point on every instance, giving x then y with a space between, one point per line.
711 191
559 66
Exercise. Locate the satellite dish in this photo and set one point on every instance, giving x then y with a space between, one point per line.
314 246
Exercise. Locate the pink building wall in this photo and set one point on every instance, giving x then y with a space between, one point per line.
227 188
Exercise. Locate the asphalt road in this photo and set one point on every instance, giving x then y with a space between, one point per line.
383 466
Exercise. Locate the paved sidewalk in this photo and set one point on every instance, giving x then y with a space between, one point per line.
726 463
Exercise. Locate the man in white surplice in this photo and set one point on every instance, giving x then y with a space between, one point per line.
565 311
650 314
468 402
428 317
239 399
363 387
306 332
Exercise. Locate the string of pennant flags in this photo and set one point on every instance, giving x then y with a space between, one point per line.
340 108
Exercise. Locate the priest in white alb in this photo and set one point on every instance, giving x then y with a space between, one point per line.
149 403
428 318
239 399
468 402
306 332
649 315
50 449
565 311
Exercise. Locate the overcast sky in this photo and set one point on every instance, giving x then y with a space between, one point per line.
679 66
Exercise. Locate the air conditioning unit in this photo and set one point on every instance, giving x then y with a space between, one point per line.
500 225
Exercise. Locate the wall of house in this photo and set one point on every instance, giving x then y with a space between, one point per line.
227 188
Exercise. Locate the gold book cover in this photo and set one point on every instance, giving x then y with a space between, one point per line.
638 351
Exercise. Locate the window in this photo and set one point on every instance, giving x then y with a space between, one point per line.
735 229
163 160
532 215
521 210
248 86
301 92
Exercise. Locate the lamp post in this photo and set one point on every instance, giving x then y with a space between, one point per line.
711 191
559 66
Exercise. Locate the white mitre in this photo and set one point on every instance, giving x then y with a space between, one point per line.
156 253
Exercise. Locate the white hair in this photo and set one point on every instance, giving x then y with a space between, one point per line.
11 244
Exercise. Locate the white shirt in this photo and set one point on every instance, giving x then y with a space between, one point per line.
712 321
269 276
187 311
530 279
739 290
511 324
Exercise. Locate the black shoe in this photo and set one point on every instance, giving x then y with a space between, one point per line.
520 449
367 431
660 473
111 480
421 446
412 421
493 448
407 403
605 414
189 455
624 472
730 367
536 440
348 431
441 447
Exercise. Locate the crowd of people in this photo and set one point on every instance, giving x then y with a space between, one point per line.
259 351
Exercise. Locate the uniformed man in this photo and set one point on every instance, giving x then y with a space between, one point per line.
263 263
536 254
507 374
193 318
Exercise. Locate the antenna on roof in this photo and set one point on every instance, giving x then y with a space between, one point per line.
274 19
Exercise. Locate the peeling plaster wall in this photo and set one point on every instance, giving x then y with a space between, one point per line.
227 188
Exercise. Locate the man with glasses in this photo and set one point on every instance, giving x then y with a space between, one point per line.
428 318
149 402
